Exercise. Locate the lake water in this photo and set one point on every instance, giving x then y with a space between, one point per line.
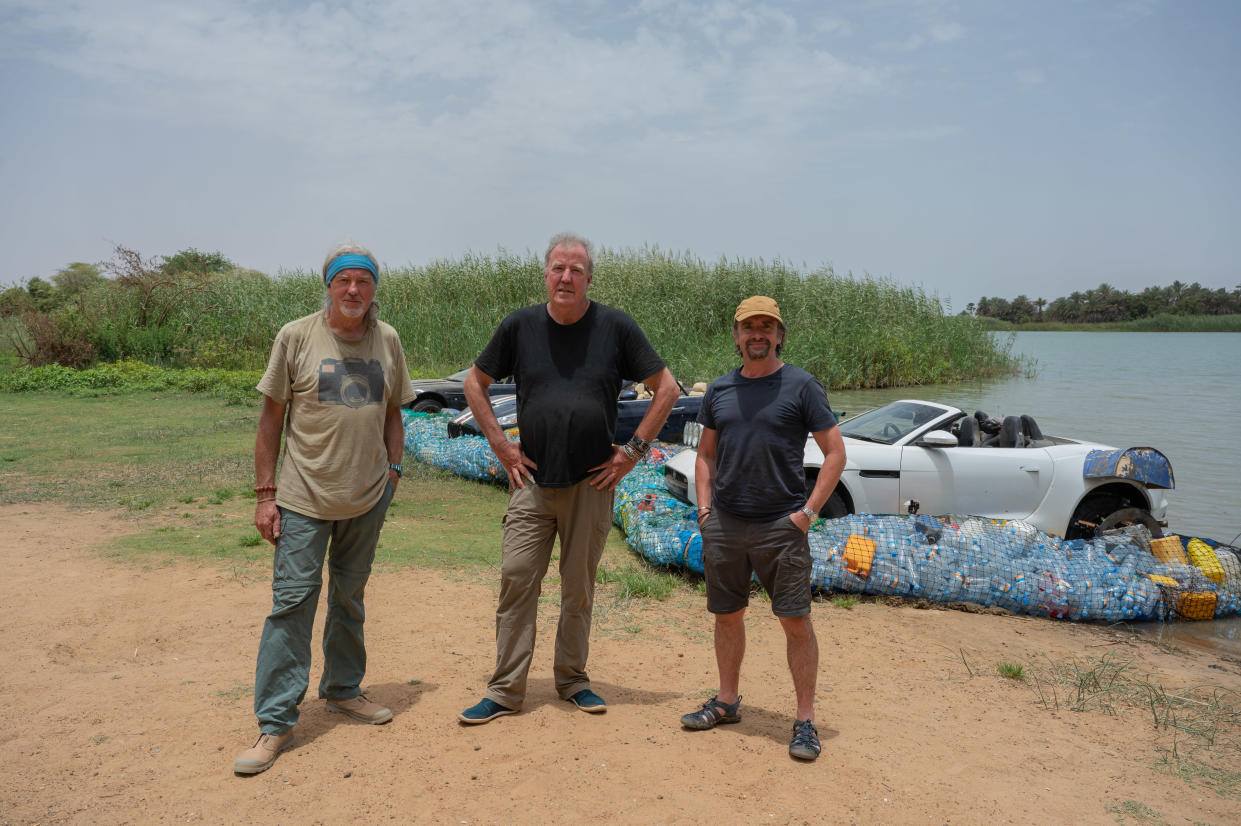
1177 392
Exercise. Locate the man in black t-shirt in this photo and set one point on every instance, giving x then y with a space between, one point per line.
753 510
568 358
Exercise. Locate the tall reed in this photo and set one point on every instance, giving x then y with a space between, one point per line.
850 332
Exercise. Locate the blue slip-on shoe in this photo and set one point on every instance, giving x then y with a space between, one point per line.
484 711
588 700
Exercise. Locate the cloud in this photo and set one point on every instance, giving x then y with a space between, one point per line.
947 32
1031 77
369 78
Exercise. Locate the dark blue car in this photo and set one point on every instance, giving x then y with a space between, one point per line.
629 412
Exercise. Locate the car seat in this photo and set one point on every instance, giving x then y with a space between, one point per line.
1034 435
967 432
1010 433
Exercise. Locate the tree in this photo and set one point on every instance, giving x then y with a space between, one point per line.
1021 310
42 294
73 279
192 261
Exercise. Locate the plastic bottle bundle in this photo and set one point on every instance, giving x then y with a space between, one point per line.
426 439
659 540
985 561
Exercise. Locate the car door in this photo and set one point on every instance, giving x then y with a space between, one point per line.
995 482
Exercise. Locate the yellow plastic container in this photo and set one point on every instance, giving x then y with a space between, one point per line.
1160 579
1202 555
859 553
1169 549
1196 606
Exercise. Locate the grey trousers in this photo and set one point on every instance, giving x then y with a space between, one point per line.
581 517
282 673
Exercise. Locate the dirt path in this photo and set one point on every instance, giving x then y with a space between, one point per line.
126 696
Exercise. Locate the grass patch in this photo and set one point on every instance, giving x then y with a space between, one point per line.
1200 725
138 451
234 693
845 601
639 580
1011 670
1132 811
1196 773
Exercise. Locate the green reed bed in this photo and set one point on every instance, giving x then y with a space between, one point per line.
850 332
1161 323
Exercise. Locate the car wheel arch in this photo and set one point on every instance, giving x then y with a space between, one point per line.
1103 501
841 493
428 403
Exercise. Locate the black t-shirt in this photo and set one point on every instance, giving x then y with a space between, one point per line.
568 377
761 426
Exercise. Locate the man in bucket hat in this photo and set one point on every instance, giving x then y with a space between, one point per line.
753 510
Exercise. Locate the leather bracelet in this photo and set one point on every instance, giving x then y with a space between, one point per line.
639 444
262 488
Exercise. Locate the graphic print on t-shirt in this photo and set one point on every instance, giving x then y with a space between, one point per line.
352 382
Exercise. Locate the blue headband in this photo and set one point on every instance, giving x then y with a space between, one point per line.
350 261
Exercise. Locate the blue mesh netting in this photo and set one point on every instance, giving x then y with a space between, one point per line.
955 558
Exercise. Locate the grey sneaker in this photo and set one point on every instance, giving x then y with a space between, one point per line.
805 745
260 756
361 709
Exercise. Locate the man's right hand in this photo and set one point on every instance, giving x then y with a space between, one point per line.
267 520
516 463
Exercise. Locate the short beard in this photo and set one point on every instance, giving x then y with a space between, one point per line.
372 312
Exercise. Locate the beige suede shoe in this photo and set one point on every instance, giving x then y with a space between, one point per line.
260 756
361 709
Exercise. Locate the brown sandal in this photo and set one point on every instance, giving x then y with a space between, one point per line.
712 714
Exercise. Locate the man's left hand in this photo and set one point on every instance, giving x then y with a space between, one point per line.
613 470
800 519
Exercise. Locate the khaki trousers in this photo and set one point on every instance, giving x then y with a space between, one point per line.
581 517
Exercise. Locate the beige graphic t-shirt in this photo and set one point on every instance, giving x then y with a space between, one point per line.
335 462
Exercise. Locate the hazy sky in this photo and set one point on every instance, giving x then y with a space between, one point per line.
967 147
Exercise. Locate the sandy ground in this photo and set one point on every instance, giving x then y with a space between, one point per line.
126 696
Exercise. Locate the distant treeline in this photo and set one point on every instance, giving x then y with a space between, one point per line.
196 309
1107 304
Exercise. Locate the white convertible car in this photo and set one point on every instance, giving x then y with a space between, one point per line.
919 456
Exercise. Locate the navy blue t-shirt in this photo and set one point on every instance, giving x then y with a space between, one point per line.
762 425
568 377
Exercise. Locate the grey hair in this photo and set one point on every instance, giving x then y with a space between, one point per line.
571 239
346 248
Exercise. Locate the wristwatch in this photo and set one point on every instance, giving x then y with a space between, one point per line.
811 515
397 468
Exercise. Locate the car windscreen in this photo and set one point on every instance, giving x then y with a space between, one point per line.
890 423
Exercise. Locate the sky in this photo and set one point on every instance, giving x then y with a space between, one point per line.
966 148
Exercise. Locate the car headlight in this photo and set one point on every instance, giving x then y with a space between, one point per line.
507 420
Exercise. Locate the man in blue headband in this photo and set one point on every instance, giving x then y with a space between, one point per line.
338 378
